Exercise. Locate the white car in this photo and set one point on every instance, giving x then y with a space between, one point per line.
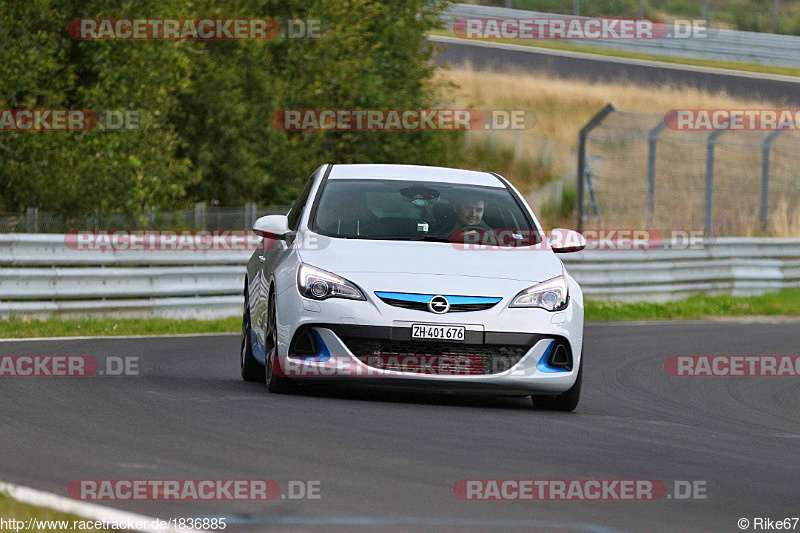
413 277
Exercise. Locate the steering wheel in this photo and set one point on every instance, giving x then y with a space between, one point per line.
472 228
464 234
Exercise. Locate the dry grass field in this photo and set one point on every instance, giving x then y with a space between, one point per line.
547 152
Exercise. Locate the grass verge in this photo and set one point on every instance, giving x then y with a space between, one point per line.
784 303
12 509
16 328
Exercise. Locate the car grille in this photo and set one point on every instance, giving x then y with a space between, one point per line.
409 302
420 357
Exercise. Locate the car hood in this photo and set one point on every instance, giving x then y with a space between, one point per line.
345 256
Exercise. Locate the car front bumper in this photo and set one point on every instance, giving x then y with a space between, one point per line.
348 333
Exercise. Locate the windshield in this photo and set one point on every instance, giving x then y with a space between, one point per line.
414 210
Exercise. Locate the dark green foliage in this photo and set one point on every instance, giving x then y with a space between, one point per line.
205 131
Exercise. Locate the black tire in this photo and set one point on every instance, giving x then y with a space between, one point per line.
252 370
566 401
275 383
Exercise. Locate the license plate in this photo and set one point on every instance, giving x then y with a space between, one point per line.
445 333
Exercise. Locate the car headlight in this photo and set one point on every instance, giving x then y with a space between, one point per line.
318 284
552 295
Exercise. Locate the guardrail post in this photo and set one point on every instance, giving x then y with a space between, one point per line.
32 220
581 178
712 143
652 139
765 153
576 8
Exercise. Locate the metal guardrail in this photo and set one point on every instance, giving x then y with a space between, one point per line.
41 277
723 45
209 284
48 249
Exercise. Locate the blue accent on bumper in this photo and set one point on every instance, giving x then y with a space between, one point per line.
322 355
425 298
259 353
542 366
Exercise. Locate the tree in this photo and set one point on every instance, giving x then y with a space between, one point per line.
206 105
93 171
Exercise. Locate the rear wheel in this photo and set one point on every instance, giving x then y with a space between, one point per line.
566 401
251 369
275 383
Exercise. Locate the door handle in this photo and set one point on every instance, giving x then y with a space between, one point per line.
262 258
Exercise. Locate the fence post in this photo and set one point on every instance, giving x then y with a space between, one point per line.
249 215
200 215
712 142
576 8
32 220
776 16
652 140
765 153
582 135
519 143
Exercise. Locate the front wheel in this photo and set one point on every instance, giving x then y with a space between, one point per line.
275 383
566 401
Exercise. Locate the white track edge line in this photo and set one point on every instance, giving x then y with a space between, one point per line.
90 511
111 337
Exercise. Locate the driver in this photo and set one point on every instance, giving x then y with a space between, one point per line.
469 214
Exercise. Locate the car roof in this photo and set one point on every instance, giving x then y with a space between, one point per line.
415 173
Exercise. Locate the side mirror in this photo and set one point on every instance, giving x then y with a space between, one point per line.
563 241
273 227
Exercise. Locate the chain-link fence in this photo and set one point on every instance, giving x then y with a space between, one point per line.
637 173
202 216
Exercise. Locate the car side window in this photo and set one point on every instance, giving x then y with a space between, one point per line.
297 207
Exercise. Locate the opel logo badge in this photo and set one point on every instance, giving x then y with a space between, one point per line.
439 305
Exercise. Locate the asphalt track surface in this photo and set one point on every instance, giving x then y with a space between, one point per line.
387 460
783 90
